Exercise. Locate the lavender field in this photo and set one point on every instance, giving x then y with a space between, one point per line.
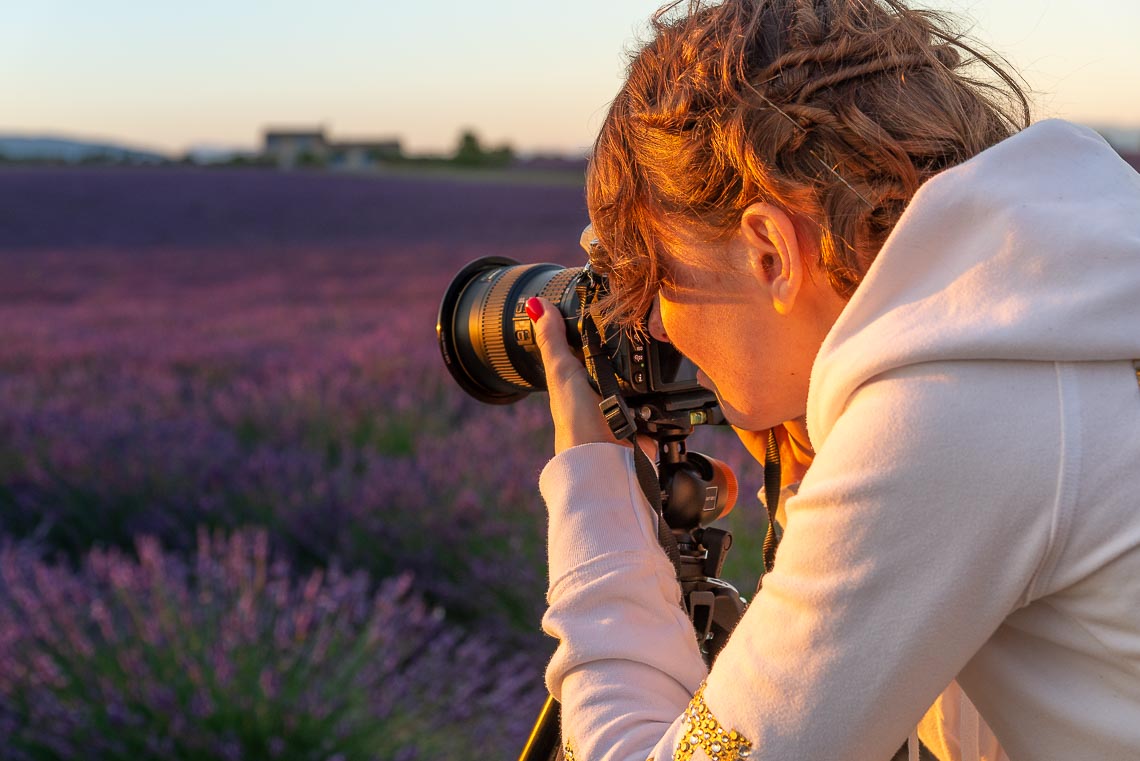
244 511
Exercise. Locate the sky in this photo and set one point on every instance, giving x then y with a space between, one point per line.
535 74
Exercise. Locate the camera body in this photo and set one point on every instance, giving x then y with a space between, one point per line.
489 346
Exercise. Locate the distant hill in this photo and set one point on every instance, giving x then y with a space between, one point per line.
16 148
214 153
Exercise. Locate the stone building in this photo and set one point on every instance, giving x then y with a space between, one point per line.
298 148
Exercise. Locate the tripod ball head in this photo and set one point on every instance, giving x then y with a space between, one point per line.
696 491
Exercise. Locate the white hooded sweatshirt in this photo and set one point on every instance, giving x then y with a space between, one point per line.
973 511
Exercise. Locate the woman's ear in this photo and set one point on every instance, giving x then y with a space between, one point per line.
774 253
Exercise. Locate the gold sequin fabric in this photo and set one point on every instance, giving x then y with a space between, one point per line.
567 751
704 732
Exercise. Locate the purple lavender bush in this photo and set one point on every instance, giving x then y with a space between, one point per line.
355 477
227 656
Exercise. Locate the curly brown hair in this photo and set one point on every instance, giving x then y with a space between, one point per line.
834 110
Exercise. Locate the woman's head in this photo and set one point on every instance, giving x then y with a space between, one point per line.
834 111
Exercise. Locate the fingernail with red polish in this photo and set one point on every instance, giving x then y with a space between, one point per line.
534 308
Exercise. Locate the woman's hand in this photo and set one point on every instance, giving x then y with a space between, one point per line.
573 401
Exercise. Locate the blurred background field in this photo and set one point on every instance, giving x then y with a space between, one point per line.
245 512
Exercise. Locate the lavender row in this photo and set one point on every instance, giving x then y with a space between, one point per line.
226 656
54 209
383 476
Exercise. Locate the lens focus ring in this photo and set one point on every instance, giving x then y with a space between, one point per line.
494 316
555 289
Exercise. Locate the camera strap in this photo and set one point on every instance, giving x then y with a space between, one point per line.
621 422
771 502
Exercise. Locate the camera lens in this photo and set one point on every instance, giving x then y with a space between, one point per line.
487 339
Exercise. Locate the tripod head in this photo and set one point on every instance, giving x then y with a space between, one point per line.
697 490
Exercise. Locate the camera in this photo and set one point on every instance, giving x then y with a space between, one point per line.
489 346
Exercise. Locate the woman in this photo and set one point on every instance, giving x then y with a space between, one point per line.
853 238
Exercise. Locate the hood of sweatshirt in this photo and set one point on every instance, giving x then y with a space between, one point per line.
1028 251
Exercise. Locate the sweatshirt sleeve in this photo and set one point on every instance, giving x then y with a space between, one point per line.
627 661
917 530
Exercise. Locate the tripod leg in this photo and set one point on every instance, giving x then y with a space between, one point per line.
543 743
